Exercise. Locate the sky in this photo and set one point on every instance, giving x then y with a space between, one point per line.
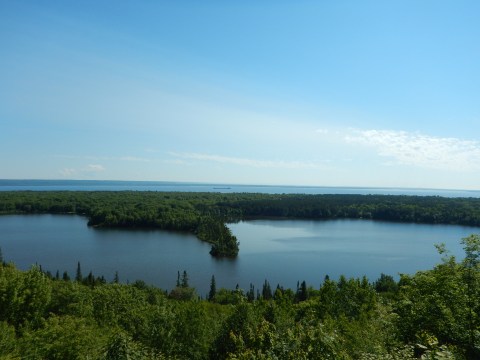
317 93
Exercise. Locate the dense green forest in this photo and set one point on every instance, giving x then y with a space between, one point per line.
433 314
206 214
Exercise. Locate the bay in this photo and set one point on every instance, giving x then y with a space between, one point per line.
281 251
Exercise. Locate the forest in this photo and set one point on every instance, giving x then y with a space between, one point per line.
432 314
206 214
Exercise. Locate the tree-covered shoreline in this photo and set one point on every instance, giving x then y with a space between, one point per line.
206 214
432 314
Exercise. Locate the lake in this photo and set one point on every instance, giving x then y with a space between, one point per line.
107 185
282 251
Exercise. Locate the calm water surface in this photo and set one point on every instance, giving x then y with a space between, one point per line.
281 251
104 185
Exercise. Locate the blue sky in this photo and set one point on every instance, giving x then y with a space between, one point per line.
328 93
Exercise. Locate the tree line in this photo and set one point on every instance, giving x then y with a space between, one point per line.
206 214
432 314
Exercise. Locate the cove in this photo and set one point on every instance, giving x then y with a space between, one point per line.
282 251
285 251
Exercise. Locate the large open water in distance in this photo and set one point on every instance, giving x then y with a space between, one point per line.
281 251
100 185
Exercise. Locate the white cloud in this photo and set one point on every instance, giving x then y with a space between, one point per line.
420 150
104 158
134 158
245 161
80 173
68 172
94 168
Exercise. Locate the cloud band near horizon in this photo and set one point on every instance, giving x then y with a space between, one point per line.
420 150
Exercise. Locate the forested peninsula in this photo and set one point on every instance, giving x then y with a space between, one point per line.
432 314
206 214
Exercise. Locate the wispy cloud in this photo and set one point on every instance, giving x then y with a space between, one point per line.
94 168
245 161
134 158
68 172
89 170
420 150
105 158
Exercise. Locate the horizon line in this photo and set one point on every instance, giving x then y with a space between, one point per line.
248 185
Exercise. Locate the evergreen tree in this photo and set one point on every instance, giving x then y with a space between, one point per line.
1 257
57 275
178 278
90 279
279 291
302 292
266 291
184 283
251 293
385 283
116 279
78 276
213 289
65 276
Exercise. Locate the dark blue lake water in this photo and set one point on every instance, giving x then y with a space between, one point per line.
283 251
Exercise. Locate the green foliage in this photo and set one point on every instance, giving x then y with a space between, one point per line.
8 341
433 314
79 276
184 282
266 291
240 323
122 347
349 298
219 235
250 334
64 337
116 278
24 297
430 316
213 289
205 214
444 302
226 296
183 293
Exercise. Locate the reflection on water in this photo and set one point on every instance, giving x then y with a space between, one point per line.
281 251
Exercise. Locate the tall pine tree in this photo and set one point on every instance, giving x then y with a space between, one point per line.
78 276
184 283
213 289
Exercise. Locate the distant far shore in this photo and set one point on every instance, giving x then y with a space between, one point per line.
166 186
